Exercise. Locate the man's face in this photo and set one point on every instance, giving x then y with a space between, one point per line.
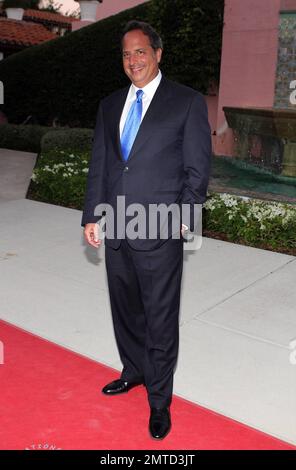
140 60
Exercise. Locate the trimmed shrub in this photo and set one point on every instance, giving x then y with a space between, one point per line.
26 138
74 140
31 138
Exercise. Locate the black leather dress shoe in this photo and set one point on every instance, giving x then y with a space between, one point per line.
159 423
119 386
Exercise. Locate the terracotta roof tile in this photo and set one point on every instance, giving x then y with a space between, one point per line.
23 33
48 16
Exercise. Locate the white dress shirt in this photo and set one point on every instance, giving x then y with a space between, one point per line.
149 91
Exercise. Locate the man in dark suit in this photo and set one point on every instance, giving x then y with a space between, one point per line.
152 145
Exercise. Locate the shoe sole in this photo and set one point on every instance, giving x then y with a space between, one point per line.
160 438
114 393
120 393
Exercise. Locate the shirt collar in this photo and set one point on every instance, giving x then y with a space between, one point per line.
148 89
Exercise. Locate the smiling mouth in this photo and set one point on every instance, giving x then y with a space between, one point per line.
137 69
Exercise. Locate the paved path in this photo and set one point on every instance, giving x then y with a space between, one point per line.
15 173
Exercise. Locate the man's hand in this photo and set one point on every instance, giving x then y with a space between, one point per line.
184 229
91 235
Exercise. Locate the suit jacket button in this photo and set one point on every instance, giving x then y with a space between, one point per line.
125 168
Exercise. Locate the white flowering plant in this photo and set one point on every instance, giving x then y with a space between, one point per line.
256 222
60 178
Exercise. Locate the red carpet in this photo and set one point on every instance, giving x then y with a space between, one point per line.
50 399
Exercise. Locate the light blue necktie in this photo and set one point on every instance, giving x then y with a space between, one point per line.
131 125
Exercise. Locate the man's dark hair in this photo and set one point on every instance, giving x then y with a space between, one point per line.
155 39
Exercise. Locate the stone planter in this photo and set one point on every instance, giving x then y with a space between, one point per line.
15 13
88 9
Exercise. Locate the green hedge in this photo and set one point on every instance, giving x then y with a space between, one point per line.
65 78
26 138
74 140
32 138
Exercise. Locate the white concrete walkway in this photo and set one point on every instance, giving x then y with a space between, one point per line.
238 312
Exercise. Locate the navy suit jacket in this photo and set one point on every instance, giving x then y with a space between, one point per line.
168 163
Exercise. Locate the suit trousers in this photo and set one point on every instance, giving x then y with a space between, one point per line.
144 289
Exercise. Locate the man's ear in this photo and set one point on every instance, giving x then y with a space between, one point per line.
158 54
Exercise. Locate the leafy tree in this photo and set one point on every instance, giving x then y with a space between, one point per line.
48 5
34 4
52 6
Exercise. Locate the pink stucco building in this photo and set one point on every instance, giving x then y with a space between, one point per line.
249 59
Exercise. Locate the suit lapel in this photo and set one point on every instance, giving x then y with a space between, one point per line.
115 115
118 124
